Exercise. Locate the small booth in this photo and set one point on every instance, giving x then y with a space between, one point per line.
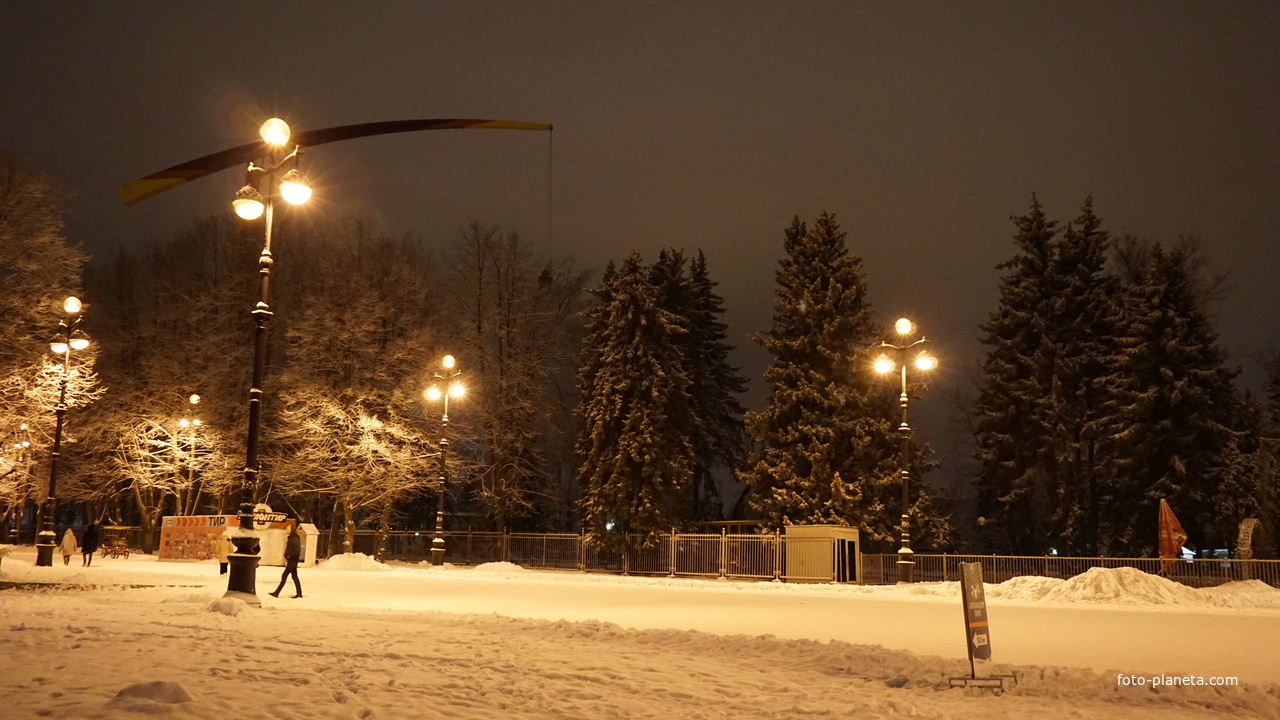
194 537
822 553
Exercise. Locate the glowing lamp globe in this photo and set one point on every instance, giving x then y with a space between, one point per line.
275 132
294 187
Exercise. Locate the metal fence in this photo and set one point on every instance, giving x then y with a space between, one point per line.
766 557
745 557
882 569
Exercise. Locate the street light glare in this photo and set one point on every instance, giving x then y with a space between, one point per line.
448 361
194 399
456 389
925 361
432 393
79 343
294 187
248 203
884 364
71 305
904 326
275 131
183 422
58 347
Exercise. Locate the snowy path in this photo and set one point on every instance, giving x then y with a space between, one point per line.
422 643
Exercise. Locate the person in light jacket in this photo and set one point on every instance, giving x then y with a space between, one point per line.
222 547
292 553
68 546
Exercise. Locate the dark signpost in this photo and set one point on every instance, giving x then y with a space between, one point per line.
977 630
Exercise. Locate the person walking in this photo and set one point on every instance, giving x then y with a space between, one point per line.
68 546
222 547
292 553
89 544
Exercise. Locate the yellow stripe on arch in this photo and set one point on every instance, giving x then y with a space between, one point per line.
509 125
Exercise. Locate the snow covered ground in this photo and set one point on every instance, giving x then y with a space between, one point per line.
371 641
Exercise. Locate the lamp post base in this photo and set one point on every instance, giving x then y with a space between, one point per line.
906 564
242 578
437 551
44 548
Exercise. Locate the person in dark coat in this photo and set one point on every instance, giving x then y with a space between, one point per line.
89 544
292 553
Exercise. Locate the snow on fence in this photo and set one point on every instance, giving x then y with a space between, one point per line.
883 569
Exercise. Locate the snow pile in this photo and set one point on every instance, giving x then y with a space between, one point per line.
499 568
1124 586
1030 588
1243 594
352 561
159 691
1130 586
228 606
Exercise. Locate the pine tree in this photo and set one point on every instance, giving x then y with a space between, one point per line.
716 429
636 473
1080 341
1271 391
826 452
1170 409
1011 428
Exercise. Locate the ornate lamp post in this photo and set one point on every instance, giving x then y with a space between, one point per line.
254 200
887 363
21 454
193 425
449 386
69 338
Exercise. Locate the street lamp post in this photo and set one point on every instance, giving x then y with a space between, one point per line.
883 365
193 424
69 338
449 386
251 203
21 454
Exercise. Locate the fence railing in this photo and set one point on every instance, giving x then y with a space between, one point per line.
1199 572
748 557
768 557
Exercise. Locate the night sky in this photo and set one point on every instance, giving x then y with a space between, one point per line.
924 126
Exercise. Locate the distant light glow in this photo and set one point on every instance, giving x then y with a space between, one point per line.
456 389
71 305
194 399
884 364
448 361
432 393
925 361
79 342
59 347
904 326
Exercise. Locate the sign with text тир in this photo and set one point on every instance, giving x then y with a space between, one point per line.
977 628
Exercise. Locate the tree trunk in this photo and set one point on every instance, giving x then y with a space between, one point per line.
384 525
348 527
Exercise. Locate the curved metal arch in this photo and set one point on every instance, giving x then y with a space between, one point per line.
158 182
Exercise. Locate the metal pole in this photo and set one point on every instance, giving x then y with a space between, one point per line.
243 563
437 542
906 558
45 541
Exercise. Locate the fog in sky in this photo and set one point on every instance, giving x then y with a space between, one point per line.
708 125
